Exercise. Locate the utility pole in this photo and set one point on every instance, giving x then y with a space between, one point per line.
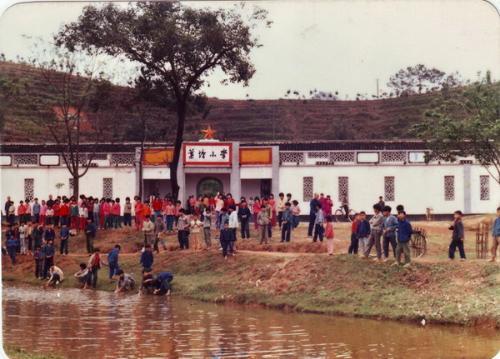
378 89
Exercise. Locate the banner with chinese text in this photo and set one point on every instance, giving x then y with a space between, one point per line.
207 154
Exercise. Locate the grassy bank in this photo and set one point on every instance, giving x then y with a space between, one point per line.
299 276
17 353
458 293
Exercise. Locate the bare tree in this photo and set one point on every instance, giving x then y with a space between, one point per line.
69 107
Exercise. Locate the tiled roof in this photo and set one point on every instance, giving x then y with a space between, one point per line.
375 145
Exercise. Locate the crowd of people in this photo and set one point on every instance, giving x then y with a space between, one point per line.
32 228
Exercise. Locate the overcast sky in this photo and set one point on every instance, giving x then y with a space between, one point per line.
328 45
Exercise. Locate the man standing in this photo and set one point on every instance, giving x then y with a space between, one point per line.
244 217
183 230
404 236
287 221
64 239
36 211
457 237
90 232
314 204
376 223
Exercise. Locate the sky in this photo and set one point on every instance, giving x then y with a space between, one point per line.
342 46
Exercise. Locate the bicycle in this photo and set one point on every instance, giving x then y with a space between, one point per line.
340 215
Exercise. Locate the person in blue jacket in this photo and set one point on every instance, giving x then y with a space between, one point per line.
363 232
11 244
404 233
162 283
147 258
495 236
113 261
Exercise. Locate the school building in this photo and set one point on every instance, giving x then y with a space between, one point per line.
359 170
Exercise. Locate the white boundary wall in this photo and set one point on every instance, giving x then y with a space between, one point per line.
416 187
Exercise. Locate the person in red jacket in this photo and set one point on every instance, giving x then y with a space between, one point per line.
57 212
64 213
139 213
157 207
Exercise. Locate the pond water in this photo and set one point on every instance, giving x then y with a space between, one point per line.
83 324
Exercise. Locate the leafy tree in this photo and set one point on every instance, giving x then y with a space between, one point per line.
419 79
465 122
176 47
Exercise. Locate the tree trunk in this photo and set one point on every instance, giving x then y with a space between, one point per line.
141 187
181 117
76 186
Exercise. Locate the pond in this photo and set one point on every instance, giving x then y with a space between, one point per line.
83 324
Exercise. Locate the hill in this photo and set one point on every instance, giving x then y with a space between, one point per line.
250 120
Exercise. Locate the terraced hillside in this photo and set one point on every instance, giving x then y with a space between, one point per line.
252 120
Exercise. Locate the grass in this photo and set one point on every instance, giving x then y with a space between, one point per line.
17 353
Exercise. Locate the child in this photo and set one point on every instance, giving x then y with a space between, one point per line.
64 239
262 223
49 252
158 232
363 231
286 221
295 213
147 285
94 265
56 277
125 282
495 236
37 255
207 225
22 237
457 237
11 244
195 228
225 239
147 258
404 236
43 212
113 264
353 247
127 213
329 234
83 276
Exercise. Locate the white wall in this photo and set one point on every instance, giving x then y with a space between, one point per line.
45 180
416 187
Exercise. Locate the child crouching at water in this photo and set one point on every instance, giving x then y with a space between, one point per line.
56 277
83 276
329 234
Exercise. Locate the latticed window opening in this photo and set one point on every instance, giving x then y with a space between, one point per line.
308 188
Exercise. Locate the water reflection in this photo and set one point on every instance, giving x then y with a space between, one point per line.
78 324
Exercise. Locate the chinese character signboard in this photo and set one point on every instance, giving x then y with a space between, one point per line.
207 154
